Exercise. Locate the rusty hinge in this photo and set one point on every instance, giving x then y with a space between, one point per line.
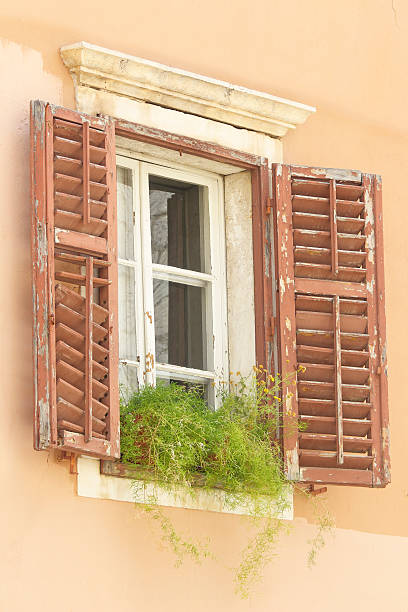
313 490
51 319
72 458
269 203
270 328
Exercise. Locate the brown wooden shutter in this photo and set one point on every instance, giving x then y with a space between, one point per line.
332 322
74 282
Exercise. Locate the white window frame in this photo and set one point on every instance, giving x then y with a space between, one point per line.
215 328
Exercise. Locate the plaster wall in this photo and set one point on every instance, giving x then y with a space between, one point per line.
61 551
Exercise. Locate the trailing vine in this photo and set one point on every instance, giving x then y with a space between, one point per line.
174 439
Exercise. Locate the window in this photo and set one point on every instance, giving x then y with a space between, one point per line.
318 230
171 260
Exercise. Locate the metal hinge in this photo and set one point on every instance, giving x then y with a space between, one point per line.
269 203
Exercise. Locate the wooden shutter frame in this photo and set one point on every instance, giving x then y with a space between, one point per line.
373 292
44 240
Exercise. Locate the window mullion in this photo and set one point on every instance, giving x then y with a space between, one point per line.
138 277
147 276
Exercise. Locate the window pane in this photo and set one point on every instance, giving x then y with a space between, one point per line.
128 382
176 226
167 379
178 320
125 213
127 315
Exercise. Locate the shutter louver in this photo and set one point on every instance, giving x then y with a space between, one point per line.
74 282
332 325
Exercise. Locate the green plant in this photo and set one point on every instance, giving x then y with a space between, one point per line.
174 439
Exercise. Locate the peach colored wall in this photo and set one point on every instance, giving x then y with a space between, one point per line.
349 58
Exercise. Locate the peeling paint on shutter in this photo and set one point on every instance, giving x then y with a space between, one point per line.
74 282
332 323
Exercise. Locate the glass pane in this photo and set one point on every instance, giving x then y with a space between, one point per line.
127 315
128 382
176 223
178 321
125 213
167 379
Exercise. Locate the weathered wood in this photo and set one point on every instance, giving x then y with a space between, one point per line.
337 325
329 287
185 144
89 288
83 243
338 399
333 229
76 385
287 327
338 476
41 295
382 344
85 173
109 294
262 233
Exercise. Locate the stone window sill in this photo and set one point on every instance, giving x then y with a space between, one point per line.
92 483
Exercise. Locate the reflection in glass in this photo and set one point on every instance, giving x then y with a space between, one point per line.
176 226
125 213
127 314
178 320
128 382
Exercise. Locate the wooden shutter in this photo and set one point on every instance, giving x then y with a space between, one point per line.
74 282
332 324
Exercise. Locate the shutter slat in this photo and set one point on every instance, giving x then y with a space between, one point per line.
71 128
310 270
323 256
75 396
72 203
76 358
73 414
319 407
78 207
73 185
73 221
325 441
79 279
73 150
77 341
320 206
313 237
76 302
327 425
74 167
322 458
77 321
77 378
314 354
329 315
67 426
